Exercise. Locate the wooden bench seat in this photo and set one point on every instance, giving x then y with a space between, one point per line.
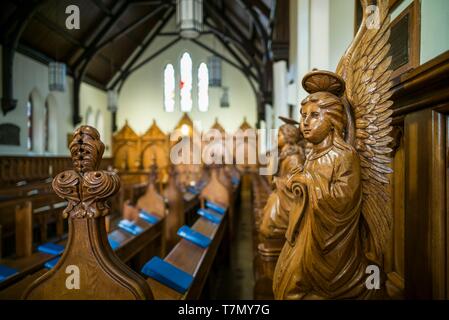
130 247
192 259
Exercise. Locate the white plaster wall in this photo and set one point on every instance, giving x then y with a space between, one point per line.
341 29
31 77
434 28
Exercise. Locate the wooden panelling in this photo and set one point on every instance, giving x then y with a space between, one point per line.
27 169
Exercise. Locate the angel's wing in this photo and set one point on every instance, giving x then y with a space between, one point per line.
365 69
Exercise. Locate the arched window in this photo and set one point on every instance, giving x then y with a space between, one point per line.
185 84
46 127
30 124
90 117
203 87
169 88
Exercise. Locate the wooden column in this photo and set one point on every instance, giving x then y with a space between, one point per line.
425 205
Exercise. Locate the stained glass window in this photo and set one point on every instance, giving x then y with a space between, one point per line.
46 127
30 124
185 84
203 87
169 88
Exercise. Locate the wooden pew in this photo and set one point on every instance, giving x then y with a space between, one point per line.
266 251
193 260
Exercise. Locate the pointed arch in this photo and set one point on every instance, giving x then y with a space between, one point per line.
169 88
203 88
50 128
185 85
99 123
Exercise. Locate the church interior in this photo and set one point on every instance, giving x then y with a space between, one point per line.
224 149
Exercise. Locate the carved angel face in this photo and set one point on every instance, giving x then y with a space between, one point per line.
315 125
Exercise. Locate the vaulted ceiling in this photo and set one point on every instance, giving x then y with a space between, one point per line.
114 34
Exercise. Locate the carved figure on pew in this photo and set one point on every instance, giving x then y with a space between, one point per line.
215 191
342 218
291 155
96 270
152 201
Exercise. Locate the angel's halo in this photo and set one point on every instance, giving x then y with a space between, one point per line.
323 81
288 120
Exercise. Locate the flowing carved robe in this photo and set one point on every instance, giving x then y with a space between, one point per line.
323 256
279 203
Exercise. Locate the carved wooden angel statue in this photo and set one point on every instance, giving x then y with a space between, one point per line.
342 218
280 201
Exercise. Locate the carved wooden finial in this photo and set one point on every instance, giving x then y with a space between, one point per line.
97 272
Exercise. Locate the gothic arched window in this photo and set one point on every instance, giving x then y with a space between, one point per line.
185 84
203 87
29 124
169 88
46 127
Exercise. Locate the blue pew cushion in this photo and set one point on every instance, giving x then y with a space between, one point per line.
168 274
130 226
210 215
6 272
148 217
114 243
193 190
50 264
215 207
51 248
194 236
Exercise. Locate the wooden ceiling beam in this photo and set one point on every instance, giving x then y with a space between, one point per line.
230 26
130 27
100 5
168 14
86 56
259 27
241 44
262 6
58 30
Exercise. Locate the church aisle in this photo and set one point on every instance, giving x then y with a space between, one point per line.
236 280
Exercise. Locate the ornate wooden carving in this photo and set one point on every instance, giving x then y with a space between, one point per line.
125 148
242 144
97 273
279 204
155 144
152 201
341 221
190 170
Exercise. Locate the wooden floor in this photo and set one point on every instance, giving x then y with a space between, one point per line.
236 281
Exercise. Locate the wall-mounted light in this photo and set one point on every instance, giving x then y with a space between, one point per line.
57 76
214 66
189 18
112 100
